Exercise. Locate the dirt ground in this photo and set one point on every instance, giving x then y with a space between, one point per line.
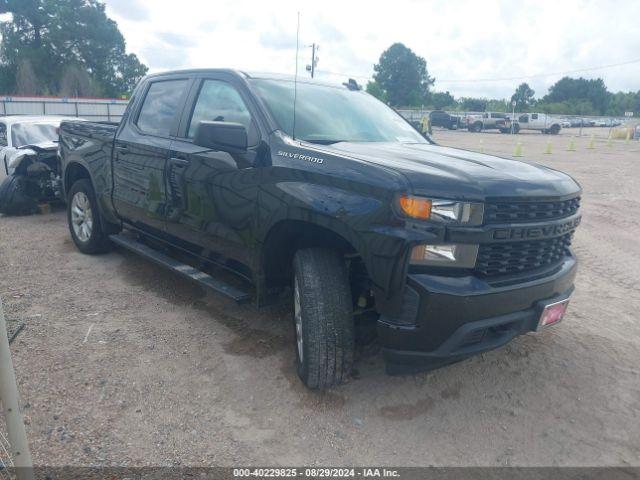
122 363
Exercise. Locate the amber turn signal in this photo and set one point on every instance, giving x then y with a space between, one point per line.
415 207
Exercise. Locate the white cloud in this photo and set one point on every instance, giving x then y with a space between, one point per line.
133 9
461 41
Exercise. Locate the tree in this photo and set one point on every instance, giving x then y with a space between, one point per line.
403 76
473 104
624 102
523 97
377 91
26 79
76 82
55 35
441 100
498 106
577 91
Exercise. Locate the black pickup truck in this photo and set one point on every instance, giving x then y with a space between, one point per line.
323 195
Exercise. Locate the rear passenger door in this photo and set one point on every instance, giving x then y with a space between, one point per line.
141 150
212 194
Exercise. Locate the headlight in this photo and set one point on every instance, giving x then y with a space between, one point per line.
452 255
443 211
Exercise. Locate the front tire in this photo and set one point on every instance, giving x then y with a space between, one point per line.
323 318
83 217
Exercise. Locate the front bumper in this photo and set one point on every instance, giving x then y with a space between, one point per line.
446 319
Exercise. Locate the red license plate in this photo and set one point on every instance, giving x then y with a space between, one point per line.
553 313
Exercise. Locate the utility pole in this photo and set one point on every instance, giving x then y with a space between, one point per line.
314 59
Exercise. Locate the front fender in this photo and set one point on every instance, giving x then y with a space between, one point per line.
365 221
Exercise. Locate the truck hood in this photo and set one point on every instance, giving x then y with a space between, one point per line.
442 171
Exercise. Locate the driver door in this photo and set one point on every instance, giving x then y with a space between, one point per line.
211 194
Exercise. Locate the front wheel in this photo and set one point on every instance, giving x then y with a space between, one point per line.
84 219
323 318
555 129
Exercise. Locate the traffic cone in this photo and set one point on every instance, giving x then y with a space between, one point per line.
572 146
518 150
548 149
592 143
609 142
628 136
481 146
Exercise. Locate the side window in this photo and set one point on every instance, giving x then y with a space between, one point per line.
534 116
3 135
160 106
523 118
220 102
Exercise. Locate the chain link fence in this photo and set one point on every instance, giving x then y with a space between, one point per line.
14 450
95 109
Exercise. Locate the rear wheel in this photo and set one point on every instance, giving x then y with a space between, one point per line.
476 127
84 219
555 129
323 318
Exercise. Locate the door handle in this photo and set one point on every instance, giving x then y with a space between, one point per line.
179 162
122 149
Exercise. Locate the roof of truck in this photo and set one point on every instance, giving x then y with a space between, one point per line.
257 75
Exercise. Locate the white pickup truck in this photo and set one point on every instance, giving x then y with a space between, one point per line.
488 120
537 121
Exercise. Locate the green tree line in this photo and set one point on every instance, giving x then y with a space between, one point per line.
401 79
64 47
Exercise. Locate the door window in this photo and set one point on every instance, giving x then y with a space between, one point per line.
218 101
160 106
3 135
534 116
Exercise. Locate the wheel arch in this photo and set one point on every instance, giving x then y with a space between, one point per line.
75 171
72 173
287 236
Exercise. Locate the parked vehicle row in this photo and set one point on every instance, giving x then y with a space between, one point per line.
576 122
508 123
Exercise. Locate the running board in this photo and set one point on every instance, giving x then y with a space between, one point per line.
180 268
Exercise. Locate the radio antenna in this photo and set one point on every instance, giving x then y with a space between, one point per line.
295 79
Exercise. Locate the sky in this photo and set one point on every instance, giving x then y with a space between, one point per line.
471 47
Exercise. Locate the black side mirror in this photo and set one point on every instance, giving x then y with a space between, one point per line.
224 136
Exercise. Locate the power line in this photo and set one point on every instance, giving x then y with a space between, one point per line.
504 79
540 75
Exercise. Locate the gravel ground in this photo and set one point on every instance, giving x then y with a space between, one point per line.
122 363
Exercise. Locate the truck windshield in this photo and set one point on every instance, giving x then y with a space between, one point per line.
33 133
327 114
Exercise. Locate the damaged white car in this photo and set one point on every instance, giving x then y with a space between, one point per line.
29 163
